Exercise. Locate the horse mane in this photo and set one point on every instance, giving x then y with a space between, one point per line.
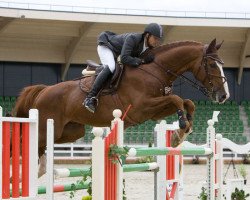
172 45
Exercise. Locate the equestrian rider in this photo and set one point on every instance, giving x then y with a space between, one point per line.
129 46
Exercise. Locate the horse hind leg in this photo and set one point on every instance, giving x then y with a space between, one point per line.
42 145
42 162
72 131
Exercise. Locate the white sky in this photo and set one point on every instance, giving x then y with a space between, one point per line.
242 6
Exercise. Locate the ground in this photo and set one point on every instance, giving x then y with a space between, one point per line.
140 185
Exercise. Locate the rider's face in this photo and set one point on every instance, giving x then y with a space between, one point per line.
153 41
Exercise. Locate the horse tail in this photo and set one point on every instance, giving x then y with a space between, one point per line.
26 100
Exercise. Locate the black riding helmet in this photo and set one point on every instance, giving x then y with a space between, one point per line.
154 29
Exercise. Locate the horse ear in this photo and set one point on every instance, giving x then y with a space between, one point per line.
218 46
211 47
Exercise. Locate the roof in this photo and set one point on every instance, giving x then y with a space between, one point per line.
70 38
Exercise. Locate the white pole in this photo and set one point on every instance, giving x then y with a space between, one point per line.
211 161
219 166
160 178
160 185
33 152
180 177
50 160
117 115
98 174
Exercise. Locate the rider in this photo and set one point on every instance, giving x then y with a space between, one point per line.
129 46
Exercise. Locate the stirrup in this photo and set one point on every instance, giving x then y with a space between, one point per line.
92 105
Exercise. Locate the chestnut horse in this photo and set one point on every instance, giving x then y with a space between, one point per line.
142 87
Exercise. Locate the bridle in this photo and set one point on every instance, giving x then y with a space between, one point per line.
209 75
195 84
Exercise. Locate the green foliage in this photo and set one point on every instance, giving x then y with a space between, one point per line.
146 159
243 171
116 153
86 177
239 195
203 194
87 198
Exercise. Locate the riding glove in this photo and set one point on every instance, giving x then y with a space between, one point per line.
148 59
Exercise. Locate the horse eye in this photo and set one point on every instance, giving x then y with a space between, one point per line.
213 65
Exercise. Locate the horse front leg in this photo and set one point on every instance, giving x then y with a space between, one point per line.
190 108
167 105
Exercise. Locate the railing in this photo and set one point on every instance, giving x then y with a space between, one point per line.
124 11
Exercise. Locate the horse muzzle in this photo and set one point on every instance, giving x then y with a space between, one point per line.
220 97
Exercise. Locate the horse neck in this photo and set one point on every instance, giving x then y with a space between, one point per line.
182 59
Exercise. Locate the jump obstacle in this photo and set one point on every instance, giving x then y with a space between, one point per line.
23 132
29 129
107 178
168 180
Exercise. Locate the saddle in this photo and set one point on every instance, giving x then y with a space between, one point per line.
91 72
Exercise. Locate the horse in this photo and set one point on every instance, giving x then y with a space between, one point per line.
143 87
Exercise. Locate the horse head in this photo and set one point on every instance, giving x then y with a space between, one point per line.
202 60
210 73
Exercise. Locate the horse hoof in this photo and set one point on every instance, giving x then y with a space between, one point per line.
189 131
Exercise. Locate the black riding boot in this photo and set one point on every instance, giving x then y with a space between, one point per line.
91 101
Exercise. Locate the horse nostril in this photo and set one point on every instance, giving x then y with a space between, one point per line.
223 97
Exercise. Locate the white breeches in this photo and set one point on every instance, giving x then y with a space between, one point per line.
106 56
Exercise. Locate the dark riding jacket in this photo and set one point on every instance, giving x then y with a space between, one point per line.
128 45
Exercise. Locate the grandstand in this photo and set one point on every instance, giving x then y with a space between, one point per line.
7 103
233 124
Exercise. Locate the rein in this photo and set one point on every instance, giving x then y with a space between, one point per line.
187 80
195 84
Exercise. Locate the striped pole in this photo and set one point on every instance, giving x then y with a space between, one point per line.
63 188
70 172
133 152
76 172
59 188
140 167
